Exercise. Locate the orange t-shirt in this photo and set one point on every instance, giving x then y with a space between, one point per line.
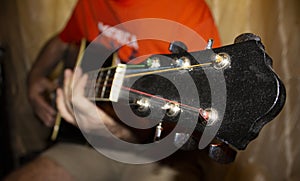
141 27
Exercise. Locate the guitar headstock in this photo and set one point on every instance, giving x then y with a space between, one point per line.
236 93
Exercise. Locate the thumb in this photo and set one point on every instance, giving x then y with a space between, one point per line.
62 108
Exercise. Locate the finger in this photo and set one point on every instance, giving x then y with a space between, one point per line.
44 105
76 76
45 117
61 106
49 85
79 88
67 89
67 81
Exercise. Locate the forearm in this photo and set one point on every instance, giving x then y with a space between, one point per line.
38 83
48 58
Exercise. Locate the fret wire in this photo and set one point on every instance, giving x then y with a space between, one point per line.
96 85
104 86
91 77
101 70
101 82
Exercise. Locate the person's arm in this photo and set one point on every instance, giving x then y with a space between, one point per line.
38 82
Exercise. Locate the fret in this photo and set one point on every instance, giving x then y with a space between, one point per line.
105 84
93 90
91 84
99 83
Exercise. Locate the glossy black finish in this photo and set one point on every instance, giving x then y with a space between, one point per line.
254 93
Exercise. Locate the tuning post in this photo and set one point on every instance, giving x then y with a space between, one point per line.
210 43
172 109
153 62
158 132
143 104
221 61
183 62
210 115
221 153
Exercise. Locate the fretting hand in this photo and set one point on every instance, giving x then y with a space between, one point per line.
37 89
71 98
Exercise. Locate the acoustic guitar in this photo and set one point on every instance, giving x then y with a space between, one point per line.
222 96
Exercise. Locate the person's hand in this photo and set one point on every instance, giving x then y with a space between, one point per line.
36 92
74 106
71 98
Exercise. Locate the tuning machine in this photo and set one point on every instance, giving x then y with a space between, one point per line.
221 153
153 62
210 43
210 115
143 104
177 47
183 62
158 132
172 109
221 61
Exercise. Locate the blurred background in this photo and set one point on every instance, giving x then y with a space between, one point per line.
274 155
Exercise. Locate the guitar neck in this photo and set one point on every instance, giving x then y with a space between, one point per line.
105 84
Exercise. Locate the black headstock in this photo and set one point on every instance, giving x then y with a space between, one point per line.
238 92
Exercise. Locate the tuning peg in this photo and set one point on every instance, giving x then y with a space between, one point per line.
153 62
210 44
247 37
222 153
158 132
250 36
177 47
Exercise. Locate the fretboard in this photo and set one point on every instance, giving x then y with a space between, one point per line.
105 84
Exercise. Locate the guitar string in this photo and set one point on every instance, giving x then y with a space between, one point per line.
195 109
163 99
152 72
99 84
100 81
167 70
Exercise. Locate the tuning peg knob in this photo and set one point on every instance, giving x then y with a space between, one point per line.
222 153
247 37
250 36
177 47
210 44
